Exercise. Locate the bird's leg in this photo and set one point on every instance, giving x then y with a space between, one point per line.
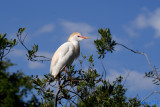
67 73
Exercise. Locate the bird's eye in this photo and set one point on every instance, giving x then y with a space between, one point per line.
78 36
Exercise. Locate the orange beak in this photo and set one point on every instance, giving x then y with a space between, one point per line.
84 37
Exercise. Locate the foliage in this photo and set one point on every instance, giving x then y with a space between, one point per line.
151 74
41 85
109 95
14 86
88 87
31 55
5 46
105 43
82 80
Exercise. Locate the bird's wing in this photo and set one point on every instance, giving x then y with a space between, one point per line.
62 57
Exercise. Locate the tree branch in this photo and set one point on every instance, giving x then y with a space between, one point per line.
137 52
8 51
150 95
34 55
103 68
128 48
56 96
73 102
76 94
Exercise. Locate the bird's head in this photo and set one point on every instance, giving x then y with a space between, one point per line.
76 37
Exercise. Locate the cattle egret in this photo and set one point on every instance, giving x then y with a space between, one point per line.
65 54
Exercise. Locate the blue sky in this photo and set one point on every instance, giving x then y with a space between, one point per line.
49 23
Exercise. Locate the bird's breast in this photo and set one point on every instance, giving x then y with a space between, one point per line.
77 51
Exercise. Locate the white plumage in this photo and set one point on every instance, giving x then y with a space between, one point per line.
66 53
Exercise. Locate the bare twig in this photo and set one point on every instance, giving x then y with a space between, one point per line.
154 71
150 95
43 57
24 38
76 94
103 68
73 102
49 83
126 78
35 56
56 96
127 48
72 96
21 41
8 52
46 92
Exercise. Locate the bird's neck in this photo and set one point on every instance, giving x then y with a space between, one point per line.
75 43
77 48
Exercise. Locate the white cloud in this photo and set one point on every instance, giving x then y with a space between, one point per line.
155 21
145 20
130 31
35 65
18 52
45 29
22 53
71 27
150 44
32 65
141 21
134 80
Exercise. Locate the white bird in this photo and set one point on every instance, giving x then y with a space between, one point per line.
65 54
